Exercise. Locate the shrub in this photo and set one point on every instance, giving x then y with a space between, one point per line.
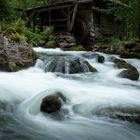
48 34
32 36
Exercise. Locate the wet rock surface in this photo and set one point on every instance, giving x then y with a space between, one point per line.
129 114
130 71
129 74
91 55
52 103
67 65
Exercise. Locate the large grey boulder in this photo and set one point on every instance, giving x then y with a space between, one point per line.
15 53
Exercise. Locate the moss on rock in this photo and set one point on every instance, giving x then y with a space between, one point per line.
130 72
16 37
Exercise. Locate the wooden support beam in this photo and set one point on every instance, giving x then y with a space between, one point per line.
58 20
64 25
74 14
64 12
68 19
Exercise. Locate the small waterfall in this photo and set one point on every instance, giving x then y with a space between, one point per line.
66 64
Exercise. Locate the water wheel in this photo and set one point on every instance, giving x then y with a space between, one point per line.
80 30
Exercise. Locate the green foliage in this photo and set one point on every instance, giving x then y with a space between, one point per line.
109 40
18 25
127 12
48 34
24 4
4 9
130 17
113 41
32 37
16 37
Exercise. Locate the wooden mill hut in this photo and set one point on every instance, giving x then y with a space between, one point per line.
83 18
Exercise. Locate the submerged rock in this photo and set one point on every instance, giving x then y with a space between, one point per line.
67 65
130 114
52 103
111 58
91 55
15 53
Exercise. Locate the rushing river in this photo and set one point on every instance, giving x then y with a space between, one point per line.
82 117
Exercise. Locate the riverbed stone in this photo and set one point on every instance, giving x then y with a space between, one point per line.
15 53
120 63
53 103
130 71
50 44
101 59
50 104
129 74
130 114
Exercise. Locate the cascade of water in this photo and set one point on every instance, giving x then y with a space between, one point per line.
100 106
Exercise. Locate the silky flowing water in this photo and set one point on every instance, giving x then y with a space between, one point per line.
21 94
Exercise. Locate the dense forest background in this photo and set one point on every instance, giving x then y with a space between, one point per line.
126 11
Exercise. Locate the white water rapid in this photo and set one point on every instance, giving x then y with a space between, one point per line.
82 117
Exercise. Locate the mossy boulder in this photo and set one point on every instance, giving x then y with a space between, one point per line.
16 37
15 54
129 74
130 71
123 64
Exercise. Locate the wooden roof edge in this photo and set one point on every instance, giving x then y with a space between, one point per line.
56 4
